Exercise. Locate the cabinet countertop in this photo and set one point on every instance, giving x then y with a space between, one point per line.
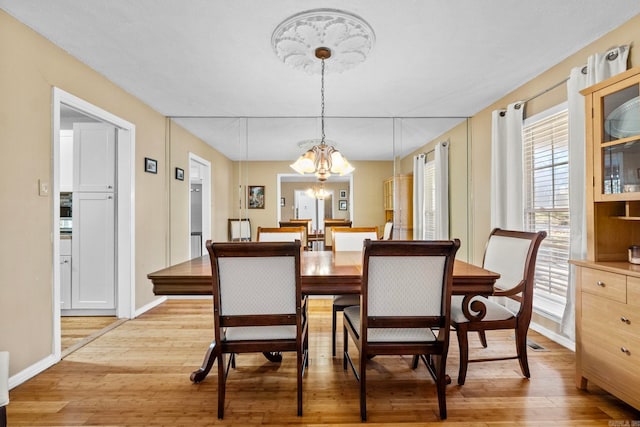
620 267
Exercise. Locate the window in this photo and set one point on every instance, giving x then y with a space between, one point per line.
546 186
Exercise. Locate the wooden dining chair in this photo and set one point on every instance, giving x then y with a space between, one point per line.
387 231
405 309
329 224
512 254
239 229
347 239
258 305
297 223
283 234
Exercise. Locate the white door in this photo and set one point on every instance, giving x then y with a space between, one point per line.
93 251
94 157
306 207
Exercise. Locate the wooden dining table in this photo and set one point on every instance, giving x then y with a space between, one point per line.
322 273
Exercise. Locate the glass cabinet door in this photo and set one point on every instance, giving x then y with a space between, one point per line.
617 141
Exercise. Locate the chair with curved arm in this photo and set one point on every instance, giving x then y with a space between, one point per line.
512 254
4 387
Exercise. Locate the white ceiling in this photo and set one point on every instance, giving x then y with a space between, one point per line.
210 64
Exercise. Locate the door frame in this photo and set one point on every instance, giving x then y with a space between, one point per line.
205 168
125 210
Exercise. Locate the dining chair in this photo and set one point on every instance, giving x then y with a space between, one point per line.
404 310
258 305
347 239
329 224
512 254
387 232
297 223
239 229
283 234
4 387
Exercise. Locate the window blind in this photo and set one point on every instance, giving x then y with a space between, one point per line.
429 200
546 187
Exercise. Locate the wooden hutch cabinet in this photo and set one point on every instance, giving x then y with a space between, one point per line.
608 285
398 205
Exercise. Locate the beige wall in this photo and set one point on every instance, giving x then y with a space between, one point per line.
31 67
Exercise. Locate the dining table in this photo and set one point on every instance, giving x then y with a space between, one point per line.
322 273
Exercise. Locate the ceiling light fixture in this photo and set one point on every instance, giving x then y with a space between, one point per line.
300 41
322 159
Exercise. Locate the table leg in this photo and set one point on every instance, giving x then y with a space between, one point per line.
200 374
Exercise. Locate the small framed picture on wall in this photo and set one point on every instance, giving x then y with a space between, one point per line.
343 194
150 165
179 174
255 197
342 205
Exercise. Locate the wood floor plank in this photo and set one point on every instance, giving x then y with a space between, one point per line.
138 375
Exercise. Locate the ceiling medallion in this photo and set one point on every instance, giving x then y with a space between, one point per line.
348 37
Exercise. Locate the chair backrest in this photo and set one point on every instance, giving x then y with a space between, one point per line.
283 234
513 255
295 222
410 279
387 233
239 229
258 278
4 378
329 224
352 239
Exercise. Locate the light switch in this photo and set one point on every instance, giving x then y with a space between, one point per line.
43 188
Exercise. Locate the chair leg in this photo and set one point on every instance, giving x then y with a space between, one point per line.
441 384
345 345
363 384
221 384
415 361
3 416
483 338
300 361
333 332
521 348
463 345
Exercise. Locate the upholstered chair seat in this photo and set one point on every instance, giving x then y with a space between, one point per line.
388 334
495 310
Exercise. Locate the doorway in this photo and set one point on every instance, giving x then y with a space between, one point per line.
65 104
199 204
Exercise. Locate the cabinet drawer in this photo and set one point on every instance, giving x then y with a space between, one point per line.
633 291
611 320
603 283
605 363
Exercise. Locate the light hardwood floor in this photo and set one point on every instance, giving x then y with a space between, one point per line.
77 331
138 374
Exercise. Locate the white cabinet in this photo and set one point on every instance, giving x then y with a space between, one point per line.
93 251
65 273
93 157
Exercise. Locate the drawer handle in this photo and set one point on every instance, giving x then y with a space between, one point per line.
600 283
625 351
625 320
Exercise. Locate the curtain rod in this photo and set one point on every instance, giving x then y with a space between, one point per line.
613 54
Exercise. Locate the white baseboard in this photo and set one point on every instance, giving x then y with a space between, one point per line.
554 336
33 370
149 306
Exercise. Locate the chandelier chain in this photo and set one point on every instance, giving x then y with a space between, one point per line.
322 103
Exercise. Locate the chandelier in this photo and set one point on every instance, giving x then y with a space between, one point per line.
318 192
322 159
330 31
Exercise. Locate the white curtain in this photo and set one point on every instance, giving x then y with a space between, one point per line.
442 191
507 205
599 67
418 196
431 195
